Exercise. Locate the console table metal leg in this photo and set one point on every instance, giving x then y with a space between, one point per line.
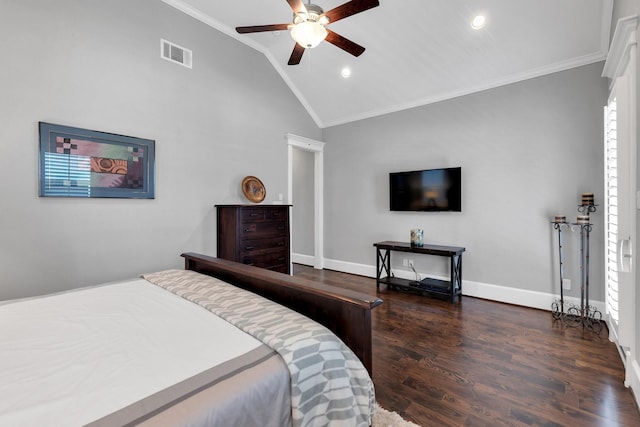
456 276
383 264
377 269
452 274
459 273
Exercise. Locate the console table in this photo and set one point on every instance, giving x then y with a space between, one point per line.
450 288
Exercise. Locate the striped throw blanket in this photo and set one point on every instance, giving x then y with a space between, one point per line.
329 384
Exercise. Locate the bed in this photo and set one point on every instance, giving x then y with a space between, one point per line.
189 347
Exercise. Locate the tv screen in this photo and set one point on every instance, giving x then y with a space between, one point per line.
432 190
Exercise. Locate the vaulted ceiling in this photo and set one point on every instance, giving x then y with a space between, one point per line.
418 51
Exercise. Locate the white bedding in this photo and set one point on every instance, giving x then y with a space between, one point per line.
35 391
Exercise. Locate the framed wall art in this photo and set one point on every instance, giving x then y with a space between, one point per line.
78 162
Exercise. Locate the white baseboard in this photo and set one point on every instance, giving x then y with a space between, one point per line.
303 259
635 381
350 267
523 297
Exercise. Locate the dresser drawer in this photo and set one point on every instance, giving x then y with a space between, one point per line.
261 230
248 247
250 215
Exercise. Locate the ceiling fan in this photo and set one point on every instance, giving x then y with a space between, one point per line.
309 26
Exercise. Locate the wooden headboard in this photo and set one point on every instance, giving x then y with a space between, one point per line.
346 313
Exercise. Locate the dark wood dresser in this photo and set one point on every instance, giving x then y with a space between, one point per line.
255 235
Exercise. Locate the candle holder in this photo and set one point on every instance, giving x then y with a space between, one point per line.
587 209
557 307
573 315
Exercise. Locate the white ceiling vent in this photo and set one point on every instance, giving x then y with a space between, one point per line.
174 53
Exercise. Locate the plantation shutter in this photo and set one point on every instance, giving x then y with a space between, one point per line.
611 214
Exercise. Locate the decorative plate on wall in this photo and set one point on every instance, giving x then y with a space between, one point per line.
253 189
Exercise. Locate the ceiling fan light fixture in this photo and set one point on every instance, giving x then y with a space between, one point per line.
309 34
300 17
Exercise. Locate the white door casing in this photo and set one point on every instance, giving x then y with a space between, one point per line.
316 147
621 68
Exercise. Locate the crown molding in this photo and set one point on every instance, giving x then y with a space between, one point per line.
203 17
623 38
514 78
627 23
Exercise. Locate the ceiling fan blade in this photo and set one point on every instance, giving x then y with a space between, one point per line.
297 6
345 44
350 8
261 28
296 55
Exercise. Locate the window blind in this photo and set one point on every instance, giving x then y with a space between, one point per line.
611 211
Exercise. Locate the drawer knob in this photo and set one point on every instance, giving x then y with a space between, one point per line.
248 248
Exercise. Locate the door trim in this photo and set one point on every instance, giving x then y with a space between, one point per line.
316 147
621 67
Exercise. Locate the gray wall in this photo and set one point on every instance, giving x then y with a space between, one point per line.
302 227
527 152
96 65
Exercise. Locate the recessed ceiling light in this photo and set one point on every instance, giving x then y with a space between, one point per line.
478 22
346 72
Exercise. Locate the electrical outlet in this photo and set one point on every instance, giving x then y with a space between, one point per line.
410 263
566 284
405 262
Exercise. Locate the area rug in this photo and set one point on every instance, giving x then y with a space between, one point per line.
384 418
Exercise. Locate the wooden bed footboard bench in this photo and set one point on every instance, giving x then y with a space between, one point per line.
346 313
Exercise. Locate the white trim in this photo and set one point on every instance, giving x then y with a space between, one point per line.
277 64
523 297
303 259
305 143
514 78
621 68
350 267
210 21
316 147
623 38
634 381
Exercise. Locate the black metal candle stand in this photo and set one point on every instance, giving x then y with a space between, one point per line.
573 315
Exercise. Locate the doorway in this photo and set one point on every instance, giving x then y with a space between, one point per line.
316 148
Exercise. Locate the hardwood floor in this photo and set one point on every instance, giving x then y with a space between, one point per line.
482 363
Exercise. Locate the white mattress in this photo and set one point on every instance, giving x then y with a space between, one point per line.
157 339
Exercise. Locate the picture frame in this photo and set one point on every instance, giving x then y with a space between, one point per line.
77 162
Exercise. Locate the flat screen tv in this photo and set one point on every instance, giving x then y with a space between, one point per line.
432 190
